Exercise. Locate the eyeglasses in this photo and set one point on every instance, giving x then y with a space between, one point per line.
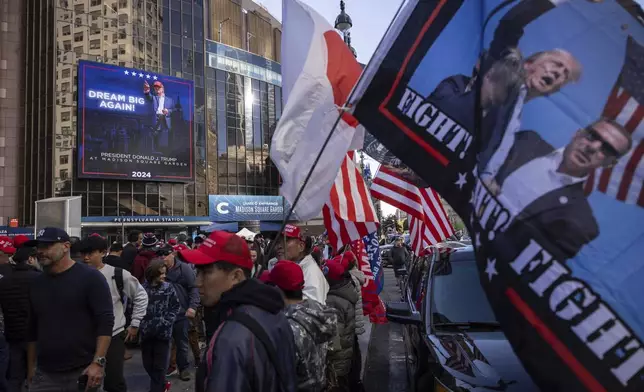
606 148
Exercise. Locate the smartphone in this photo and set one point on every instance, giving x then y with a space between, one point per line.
82 383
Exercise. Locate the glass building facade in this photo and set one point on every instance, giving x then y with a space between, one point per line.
236 110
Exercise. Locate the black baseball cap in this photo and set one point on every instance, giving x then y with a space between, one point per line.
92 243
48 235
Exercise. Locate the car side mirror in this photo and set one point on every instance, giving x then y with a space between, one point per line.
400 313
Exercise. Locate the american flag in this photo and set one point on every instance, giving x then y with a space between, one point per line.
428 224
624 180
349 214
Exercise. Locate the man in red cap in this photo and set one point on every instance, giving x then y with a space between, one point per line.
314 325
315 285
252 348
162 107
6 251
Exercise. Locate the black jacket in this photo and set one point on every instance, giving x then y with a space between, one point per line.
399 256
116 261
236 360
128 255
561 220
14 300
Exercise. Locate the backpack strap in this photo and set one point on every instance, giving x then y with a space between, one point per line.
120 285
260 333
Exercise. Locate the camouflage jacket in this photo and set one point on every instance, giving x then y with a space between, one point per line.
313 325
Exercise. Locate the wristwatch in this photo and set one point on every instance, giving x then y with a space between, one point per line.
100 361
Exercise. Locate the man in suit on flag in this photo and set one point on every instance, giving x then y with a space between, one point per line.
543 187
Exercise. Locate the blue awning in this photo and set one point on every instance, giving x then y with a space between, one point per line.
232 227
270 226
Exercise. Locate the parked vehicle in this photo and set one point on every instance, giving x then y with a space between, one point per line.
452 339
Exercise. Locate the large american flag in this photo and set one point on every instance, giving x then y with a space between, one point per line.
349 214
428 223
624 180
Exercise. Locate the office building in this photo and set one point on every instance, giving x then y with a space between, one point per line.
229 48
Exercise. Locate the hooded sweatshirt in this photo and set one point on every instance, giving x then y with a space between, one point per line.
343 298
313 325
141 263
236 360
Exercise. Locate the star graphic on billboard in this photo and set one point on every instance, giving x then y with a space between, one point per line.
154 77
147 76
127 72
134 74
140 75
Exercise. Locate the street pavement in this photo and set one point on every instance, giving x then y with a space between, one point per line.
381 347
386 368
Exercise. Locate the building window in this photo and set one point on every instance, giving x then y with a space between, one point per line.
95 44
79 51
64 87
66 73
65 116
63 159
64 174
67 46
94 3
78 37
122 34
67 30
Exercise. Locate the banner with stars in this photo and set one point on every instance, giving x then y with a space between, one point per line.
134 124
536 139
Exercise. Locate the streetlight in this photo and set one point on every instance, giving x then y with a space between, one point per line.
344 24
343 21
221 24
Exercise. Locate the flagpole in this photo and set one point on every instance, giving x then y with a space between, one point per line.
343 109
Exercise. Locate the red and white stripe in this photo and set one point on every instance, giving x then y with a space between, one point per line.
349 214
624 180
430 224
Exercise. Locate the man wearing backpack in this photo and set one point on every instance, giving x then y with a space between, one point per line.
252 348
122 285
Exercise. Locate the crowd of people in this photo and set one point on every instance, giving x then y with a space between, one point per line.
254 315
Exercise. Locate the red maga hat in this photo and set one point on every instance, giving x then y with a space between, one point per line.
292 231
220 247
287 275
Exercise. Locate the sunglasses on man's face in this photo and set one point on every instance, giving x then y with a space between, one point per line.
606 148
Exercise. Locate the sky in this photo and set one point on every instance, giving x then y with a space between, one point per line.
370 18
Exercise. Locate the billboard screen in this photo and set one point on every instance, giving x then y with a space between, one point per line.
224 208
134 124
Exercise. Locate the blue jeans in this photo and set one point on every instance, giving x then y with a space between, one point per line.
180 337
4 363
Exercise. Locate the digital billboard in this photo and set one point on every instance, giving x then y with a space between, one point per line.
224 208
133 124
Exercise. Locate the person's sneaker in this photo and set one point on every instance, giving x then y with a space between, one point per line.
184 375
171 372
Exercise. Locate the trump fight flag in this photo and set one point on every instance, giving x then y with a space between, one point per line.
318 73
526 117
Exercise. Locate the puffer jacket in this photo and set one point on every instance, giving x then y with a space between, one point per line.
343 298
236 360
141 262
163 308
359 279
314 326
15 282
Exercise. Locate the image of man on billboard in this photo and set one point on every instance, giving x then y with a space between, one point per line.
134 124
